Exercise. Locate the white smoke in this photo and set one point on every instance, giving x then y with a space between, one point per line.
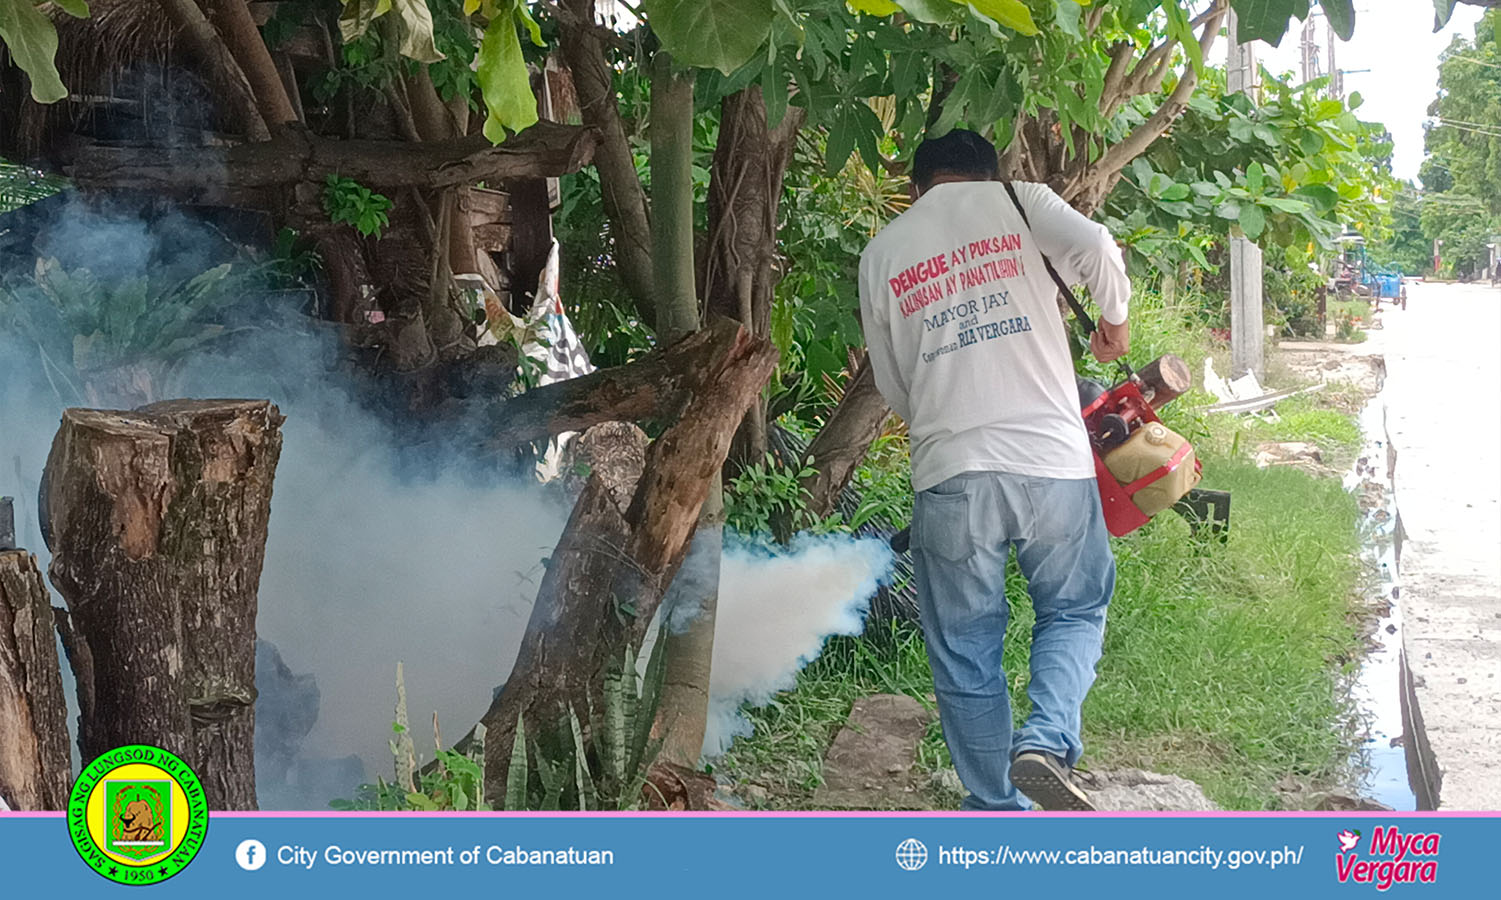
386 548
777 606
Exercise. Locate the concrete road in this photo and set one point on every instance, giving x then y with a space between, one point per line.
1443 396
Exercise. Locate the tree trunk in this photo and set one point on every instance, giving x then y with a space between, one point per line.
224 73
34 763
232 20
606 579
672 200
624 200
158 523
682 713
741 268
842 443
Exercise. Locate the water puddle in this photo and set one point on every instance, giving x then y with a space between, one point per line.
1382 758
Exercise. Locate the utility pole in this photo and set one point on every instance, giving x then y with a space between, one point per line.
1247 337
1310 52
1336 77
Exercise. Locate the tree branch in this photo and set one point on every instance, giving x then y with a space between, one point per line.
623 197
217 174
1118 155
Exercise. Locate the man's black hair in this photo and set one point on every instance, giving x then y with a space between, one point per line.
960 152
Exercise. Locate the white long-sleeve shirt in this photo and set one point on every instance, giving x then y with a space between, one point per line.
964 333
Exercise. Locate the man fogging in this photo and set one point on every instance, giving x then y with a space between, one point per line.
968 347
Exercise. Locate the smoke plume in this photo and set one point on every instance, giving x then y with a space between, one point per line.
382 548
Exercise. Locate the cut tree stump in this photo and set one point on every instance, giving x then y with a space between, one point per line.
157 522
622 547
34 764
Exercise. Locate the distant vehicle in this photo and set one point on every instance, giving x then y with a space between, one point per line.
1357 276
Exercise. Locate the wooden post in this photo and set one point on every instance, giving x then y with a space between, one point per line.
157 522
1247 353
34 763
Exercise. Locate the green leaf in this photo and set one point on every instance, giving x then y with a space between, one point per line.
1323 197
504 81
78 9
1443 10
414 30
32 42
932 12
1066 17
875 7
1252 220
516 775
525 20
1266 20
1014 14
1255 177
1175 192
1311 142
841 142
1179 26
1341 16
1285 205
713 34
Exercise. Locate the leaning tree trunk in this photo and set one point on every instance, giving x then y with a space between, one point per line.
606 579
34 764
157 522
840 446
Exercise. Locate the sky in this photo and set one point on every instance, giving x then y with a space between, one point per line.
1394 39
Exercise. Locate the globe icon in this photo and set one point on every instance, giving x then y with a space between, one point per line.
911 854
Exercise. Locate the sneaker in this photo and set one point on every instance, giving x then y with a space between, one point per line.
1047 781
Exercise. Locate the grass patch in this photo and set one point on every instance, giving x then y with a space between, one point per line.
1316 418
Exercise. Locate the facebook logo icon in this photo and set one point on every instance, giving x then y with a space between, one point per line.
251 855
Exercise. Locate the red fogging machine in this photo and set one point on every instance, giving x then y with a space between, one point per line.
1141 466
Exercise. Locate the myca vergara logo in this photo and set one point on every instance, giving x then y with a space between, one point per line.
137 815
1391 858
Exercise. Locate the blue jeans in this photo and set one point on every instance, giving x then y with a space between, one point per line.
963 531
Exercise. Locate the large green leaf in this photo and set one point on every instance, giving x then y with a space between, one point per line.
1068 13
414 25
1011 13
1266 20
504 81
32 42
875 7
1341 15
712 34
1442 11
1252 220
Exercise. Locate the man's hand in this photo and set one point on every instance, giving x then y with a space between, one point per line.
1110 342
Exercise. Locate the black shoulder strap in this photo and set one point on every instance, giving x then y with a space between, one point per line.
1073 302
